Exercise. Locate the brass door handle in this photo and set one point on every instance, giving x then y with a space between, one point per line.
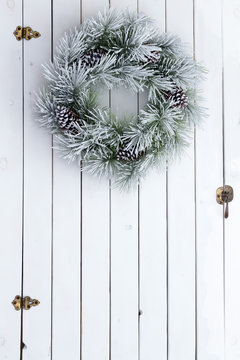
224 196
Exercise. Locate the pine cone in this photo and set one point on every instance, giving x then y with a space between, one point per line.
93 57
130 154
66 119
152 59
178 96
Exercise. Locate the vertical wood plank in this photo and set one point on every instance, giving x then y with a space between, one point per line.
124 260
153 290
95 269
124 327
231 47
66 226
11 163
209 169
181 229
95 248
37 191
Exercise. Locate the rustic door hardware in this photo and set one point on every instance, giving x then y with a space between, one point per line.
24 303
25 33
224 195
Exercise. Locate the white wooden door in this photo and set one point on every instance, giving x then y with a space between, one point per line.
152 274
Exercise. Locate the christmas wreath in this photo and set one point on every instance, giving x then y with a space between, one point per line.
112 50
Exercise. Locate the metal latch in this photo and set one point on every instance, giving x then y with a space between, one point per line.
224 195
24 303
25 33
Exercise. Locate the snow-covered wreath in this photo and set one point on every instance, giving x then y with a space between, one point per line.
120 49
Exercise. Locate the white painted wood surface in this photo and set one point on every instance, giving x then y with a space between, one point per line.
209 170
231 56
37 192
153 243
152 274
96 239
66 235
124 245
181 220
11 170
